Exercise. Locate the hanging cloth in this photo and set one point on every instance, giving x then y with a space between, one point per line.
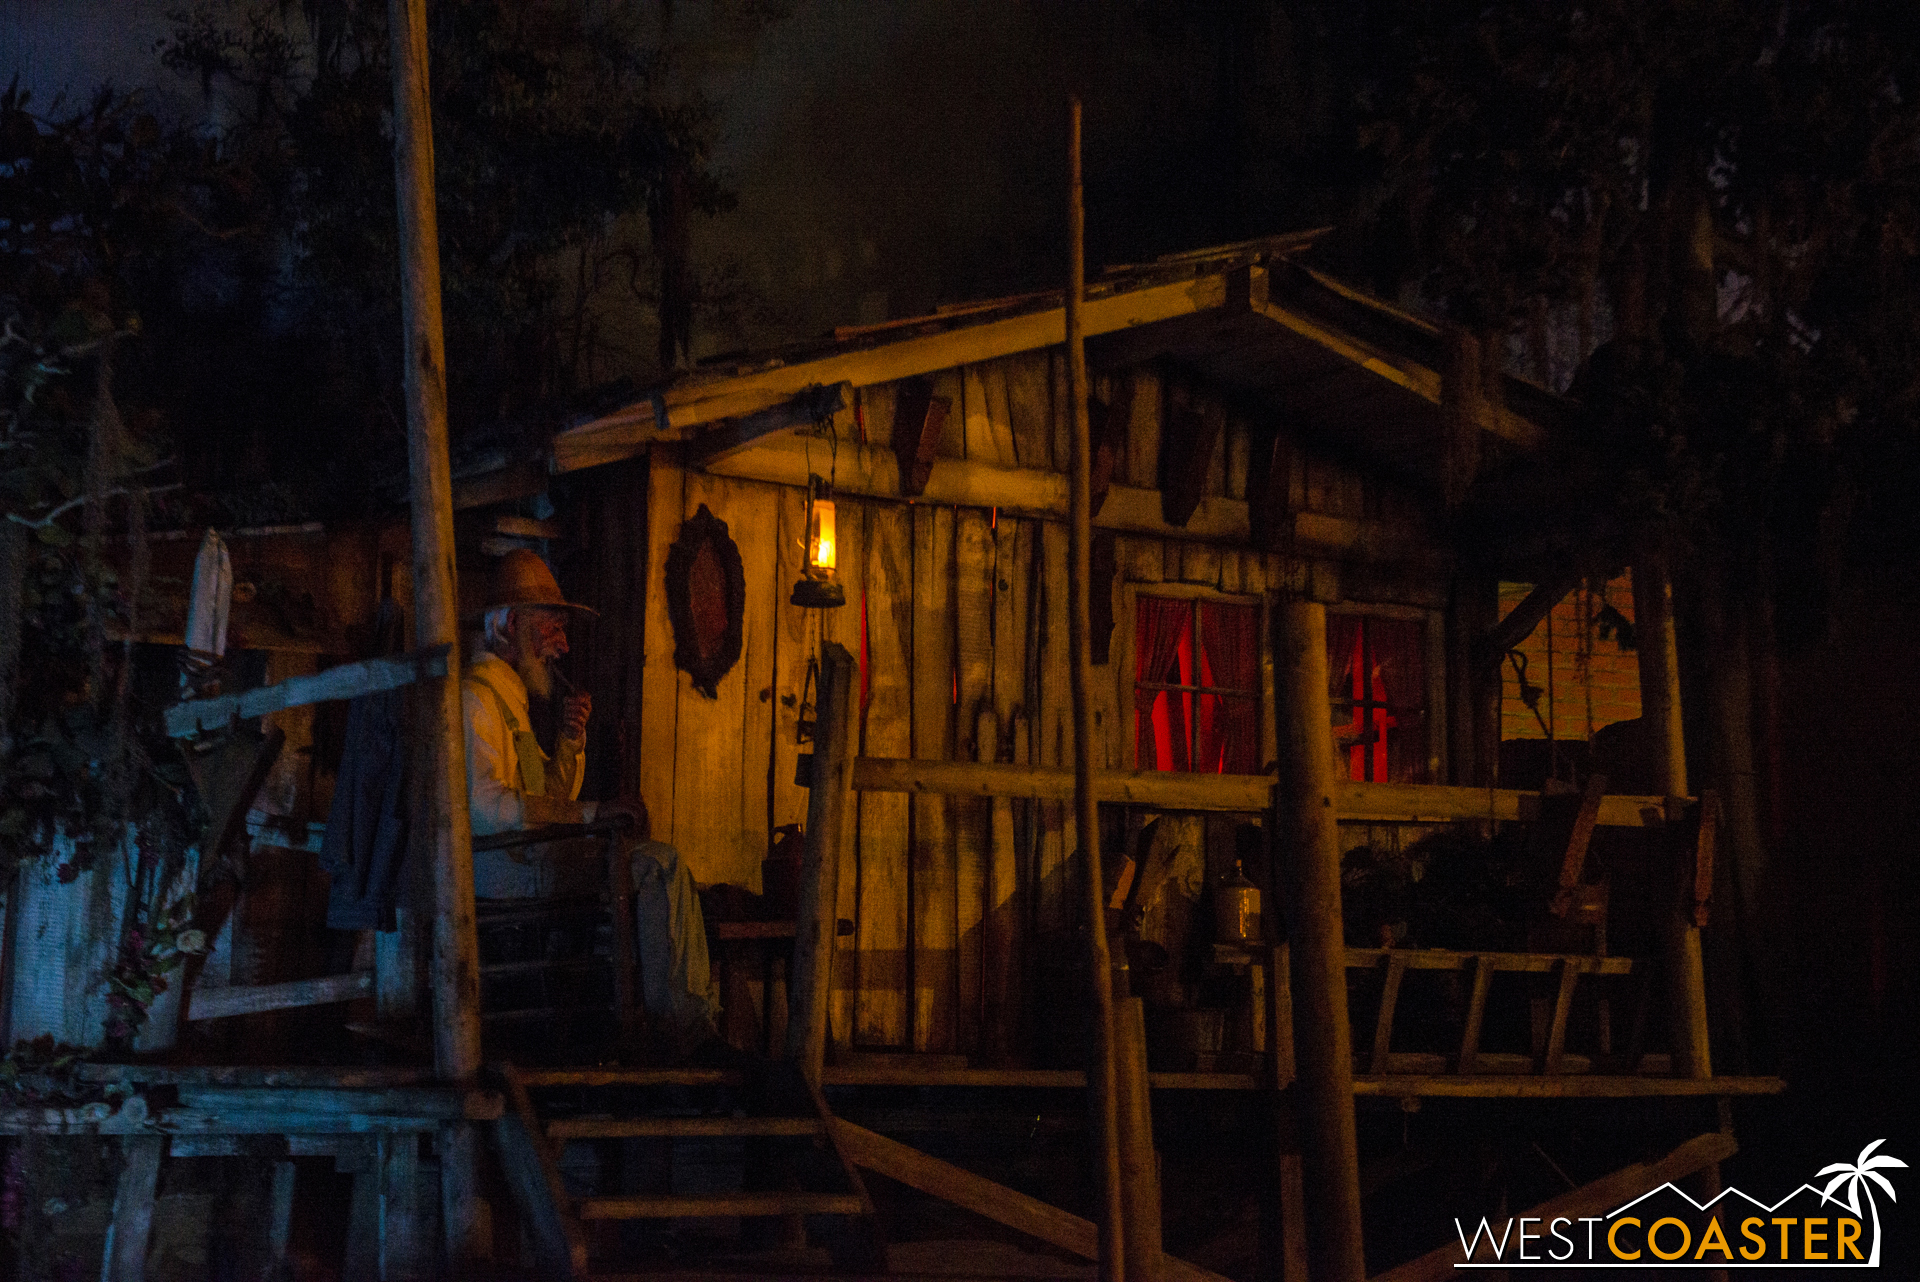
365 846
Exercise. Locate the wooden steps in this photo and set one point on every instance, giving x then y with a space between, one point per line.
529 1146
534 1078
610 1128
667 1206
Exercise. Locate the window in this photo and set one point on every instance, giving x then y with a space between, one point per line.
1379 695
1196 693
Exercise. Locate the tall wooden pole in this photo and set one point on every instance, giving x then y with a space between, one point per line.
1305 824
828 812
1086 808
448 845
1657 647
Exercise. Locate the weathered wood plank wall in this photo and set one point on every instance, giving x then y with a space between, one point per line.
958 619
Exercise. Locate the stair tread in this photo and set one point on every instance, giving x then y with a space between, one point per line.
541 1078
666 1206
639 1127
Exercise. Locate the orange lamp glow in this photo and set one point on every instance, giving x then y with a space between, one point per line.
821 543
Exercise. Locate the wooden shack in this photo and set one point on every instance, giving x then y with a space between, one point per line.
1261 430
1279 574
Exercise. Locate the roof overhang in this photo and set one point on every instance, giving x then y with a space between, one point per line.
1277 337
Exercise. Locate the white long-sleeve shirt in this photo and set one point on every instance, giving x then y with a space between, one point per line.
494 793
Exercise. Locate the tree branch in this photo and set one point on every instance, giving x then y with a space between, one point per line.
42 522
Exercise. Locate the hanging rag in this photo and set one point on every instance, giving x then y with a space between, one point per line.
365 845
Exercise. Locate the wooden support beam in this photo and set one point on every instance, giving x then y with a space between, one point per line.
632 430
1308 843
1401 371
1574 862
1565 1086
1657 648
527 527
132 1225
527 1161
1703 856
1389 999
218 1003
1101 1073
829 816
1476 1015
731 435
1284 1217
441 1102
280 1218
1139 1164
1595 1199
1520 621
503 485
874 471
1379 802
441 821
1549 1060
347 681
982 1196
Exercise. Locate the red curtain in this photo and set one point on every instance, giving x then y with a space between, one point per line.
1344 689
1400 681
1160 626
1229 738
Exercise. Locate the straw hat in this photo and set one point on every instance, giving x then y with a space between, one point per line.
523 579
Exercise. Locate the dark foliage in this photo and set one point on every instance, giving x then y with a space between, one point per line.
1732 189
556 141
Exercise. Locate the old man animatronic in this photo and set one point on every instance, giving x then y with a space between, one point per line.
513 784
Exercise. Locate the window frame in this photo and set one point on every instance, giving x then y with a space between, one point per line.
1122 654
1436 660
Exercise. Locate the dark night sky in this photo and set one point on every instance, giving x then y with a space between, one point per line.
887 157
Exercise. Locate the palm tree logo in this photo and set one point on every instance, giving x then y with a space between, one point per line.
1855 1176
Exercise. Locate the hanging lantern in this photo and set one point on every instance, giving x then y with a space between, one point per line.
817 589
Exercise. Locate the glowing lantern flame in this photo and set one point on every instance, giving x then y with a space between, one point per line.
820 539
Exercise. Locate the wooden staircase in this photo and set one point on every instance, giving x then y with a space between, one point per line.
529 1145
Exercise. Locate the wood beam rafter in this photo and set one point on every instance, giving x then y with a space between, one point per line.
731 435
1520 621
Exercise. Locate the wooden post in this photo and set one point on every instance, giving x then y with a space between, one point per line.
1740 939
1100 1074
1139 1164
455 967
1309 841
132 1225
1474 697
829 785
1659 655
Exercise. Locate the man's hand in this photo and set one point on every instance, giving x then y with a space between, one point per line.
632 811
575 710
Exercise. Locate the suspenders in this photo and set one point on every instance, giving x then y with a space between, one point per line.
533 761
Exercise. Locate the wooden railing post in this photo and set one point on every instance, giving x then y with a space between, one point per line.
829 785
1658 652
448 838
1101 1073
1308 841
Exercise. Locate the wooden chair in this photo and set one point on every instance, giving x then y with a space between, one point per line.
552 969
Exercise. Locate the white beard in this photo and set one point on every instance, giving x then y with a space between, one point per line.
537 675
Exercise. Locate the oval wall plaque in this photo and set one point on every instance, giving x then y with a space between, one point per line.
706 600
